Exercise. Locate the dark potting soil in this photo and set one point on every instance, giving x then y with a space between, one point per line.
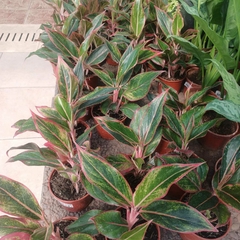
59 228
80 128
226 127
213 235
194 76
119 115
64 189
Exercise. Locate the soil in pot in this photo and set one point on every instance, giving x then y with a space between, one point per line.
64 189
60 226
220 134
80 128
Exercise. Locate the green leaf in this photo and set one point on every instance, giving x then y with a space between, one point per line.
95 97
200 131
62 43
164 22
96 192
82 236
193 181
17 200
104 77
67 82
52 114
53 133
138 18
203 57
63 108
230 195
121 162
136 233
177 23
226 108
127 62
173 122
117 129
10 225
147 119
24 125
129 109
35 156
229 83
222 212
151 147
84 223
203 200
17 236
229 158
111 224
42 233
114 51
105 177
139 86
176 216
218 41
98 55
156 183
78 71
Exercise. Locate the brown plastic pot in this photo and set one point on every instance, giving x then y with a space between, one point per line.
110 61
215 141
175 84
193 236
70 205
189 83
162 147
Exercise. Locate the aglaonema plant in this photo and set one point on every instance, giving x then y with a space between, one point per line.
143 133
58 126
181 129
106 183
224 194
128 85
25 218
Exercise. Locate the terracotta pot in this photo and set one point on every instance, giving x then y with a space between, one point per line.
162 147
193 236
175 84
217 141
71 205
189 82
110 61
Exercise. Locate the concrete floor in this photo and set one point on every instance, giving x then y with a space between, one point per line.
24 84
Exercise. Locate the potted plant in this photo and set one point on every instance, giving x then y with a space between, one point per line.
224 190
172 60
58 125
129 86
25 219
107 184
